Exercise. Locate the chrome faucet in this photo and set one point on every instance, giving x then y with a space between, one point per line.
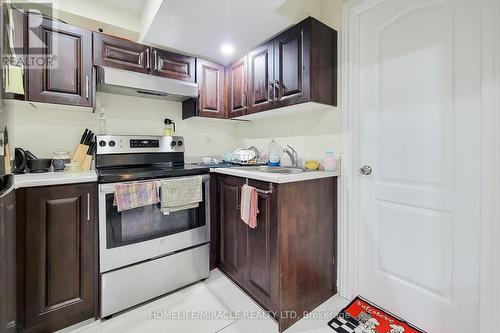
292 154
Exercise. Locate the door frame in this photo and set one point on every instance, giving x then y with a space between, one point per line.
348 284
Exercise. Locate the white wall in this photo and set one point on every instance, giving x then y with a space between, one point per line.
47 128
310 132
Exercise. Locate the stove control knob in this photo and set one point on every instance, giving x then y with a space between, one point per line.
173 144
102 143
112 143
180 143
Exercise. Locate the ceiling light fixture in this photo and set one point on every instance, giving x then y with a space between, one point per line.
227 49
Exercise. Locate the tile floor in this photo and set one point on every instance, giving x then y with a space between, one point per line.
229 310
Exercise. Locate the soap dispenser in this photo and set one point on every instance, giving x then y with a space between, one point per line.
274 153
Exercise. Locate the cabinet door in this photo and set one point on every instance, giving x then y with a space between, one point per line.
61 71
211 84
291 66
261 274
60 256
260 78
232 228
7 263
237 85
173 65
121 53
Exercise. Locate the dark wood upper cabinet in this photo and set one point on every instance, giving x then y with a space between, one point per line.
291 66
62 73
299 65
261 90
60 256
121 53
237 88
211 85
173 65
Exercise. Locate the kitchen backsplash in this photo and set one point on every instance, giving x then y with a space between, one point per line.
310 133
48 128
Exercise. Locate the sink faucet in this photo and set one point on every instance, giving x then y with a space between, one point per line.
292 154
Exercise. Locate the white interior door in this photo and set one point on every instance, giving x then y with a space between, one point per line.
419 109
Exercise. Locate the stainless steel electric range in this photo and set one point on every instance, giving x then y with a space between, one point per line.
142 252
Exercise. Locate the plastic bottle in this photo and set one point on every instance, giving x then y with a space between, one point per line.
274 153
329 162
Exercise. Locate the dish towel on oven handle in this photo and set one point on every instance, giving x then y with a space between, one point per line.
134 195
249 205
180 193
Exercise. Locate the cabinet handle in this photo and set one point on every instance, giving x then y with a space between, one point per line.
88 206
148 60
87 86
155 60
238 199
273 96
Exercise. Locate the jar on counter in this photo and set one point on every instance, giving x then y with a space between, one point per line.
329 162
59 159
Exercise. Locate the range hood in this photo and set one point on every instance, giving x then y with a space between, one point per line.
122 82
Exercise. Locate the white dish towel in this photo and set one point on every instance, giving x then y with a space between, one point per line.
180 193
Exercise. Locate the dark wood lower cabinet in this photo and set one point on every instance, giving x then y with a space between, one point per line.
60 256
7 263
261 277
287 263
232 233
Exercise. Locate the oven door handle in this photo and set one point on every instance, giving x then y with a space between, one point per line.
110 188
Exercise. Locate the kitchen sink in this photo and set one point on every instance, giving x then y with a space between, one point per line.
270 169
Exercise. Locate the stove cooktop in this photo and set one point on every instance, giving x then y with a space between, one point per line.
115 175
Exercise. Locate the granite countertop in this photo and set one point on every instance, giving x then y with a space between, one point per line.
53 178
274 177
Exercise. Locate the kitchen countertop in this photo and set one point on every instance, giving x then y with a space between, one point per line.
53 178
273 177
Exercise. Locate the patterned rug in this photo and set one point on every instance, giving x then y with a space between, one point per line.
360 316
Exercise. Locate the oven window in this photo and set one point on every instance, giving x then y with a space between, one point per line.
145 223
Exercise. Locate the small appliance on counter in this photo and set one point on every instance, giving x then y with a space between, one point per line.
169 129
38 165
24 161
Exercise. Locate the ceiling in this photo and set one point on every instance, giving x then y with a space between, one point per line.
196 27
135 6
201 27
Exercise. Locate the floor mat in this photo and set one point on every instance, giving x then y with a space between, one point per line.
361 316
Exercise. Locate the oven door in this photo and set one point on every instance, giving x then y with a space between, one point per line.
144 233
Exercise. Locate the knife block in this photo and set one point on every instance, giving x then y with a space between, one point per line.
87 162
80 154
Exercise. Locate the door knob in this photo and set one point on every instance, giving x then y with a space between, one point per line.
365 170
